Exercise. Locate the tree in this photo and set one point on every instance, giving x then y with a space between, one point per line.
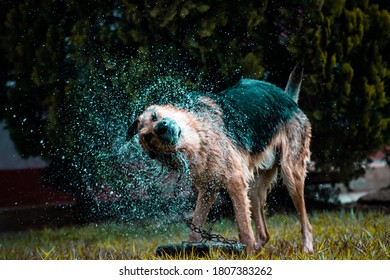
344 46
76 72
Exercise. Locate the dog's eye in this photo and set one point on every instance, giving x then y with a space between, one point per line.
154 116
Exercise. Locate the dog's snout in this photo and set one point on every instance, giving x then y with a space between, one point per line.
162 127
168 131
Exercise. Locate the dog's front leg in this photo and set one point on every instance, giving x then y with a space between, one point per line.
203 204
237 190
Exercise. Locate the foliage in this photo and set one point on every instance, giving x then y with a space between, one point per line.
344 45
76 73
338 236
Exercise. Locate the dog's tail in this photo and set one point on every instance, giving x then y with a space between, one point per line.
294 82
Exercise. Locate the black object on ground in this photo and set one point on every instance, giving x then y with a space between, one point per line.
200 249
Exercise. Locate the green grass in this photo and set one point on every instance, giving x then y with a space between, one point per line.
338 235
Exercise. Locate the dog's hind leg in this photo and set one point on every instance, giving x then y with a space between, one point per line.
258 195
297 195
293 170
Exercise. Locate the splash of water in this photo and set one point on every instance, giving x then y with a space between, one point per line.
116 175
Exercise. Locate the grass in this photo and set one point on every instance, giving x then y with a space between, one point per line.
338 235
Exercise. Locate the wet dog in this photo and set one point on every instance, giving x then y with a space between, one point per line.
238 139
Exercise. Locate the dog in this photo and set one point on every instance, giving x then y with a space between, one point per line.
238 139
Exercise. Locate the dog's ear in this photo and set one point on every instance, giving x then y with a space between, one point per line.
294 82
132 130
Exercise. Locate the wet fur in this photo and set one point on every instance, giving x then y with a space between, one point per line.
230 140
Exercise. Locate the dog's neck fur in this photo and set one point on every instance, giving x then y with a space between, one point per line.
204 147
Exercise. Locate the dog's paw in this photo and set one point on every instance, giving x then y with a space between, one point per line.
308 248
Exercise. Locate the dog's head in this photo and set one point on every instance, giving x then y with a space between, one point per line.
157 129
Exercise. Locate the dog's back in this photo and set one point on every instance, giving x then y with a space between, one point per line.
253 112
